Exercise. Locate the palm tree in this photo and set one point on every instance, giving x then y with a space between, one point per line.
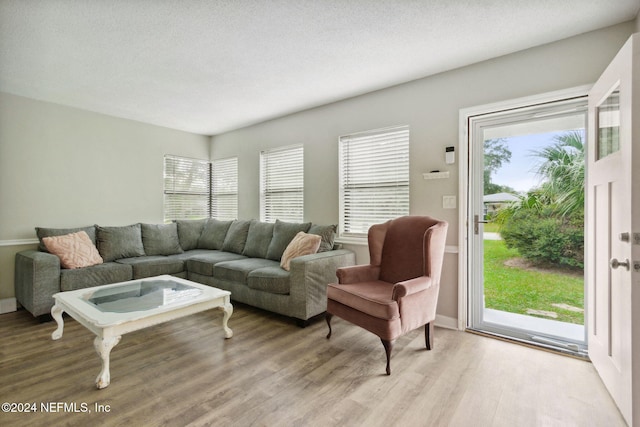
562 170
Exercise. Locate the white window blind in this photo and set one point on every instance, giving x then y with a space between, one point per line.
186 188
282 184
374 179
224 189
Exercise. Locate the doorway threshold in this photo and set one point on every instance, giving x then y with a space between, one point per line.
534 325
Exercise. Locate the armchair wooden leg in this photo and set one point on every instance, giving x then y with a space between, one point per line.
328 317
388 346
428 335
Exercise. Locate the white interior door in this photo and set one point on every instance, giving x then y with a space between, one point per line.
613 229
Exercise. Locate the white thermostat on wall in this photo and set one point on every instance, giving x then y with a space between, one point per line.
450 155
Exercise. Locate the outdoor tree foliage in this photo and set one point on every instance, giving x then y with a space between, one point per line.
546 224
496 153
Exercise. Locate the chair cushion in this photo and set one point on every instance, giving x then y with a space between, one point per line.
373 298
403 254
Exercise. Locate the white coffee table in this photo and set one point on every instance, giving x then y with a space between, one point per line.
111 311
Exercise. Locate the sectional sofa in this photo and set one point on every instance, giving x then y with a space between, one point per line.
244 257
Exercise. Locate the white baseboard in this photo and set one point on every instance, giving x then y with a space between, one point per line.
446 322
7 305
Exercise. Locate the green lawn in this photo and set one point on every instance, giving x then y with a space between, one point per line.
491 227
516 289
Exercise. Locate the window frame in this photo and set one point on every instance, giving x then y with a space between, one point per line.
276 168
173 167
367 172
224 203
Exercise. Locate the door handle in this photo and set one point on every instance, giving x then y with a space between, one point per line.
614 263
476 224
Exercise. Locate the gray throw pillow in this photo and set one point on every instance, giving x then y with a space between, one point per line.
328 234
213 234
189 231
161 239
283 234
120 242
43 232
236 237
258 239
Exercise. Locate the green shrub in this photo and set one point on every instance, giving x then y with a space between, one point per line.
546 237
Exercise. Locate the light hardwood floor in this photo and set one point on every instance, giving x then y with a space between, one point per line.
272 373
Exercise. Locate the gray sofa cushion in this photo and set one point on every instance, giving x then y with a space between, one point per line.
236 237
43 232
96 275
160 239
147 266
283 233
258 239
237 271
190 254
274 280
213 234
203 263
328 234
119 242
189 232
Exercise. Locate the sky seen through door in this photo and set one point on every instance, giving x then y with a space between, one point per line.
520 172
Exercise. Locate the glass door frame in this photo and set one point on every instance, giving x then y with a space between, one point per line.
472 122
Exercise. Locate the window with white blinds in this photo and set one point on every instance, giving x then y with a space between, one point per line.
282 184
186 188
224 189
374 179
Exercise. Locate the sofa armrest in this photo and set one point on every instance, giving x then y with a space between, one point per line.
37 278
310 275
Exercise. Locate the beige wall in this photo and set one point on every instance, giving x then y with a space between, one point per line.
431 107
63 167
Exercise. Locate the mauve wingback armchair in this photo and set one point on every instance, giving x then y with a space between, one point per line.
398 291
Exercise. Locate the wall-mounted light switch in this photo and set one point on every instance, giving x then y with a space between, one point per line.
448 202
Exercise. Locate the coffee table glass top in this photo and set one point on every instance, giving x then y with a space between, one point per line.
141 295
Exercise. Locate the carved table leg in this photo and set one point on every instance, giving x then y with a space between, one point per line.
56 313
228 311
103 348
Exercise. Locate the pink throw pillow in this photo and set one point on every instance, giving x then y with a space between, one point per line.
302 244
75 250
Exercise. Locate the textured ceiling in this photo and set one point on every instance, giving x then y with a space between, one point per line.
212 66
